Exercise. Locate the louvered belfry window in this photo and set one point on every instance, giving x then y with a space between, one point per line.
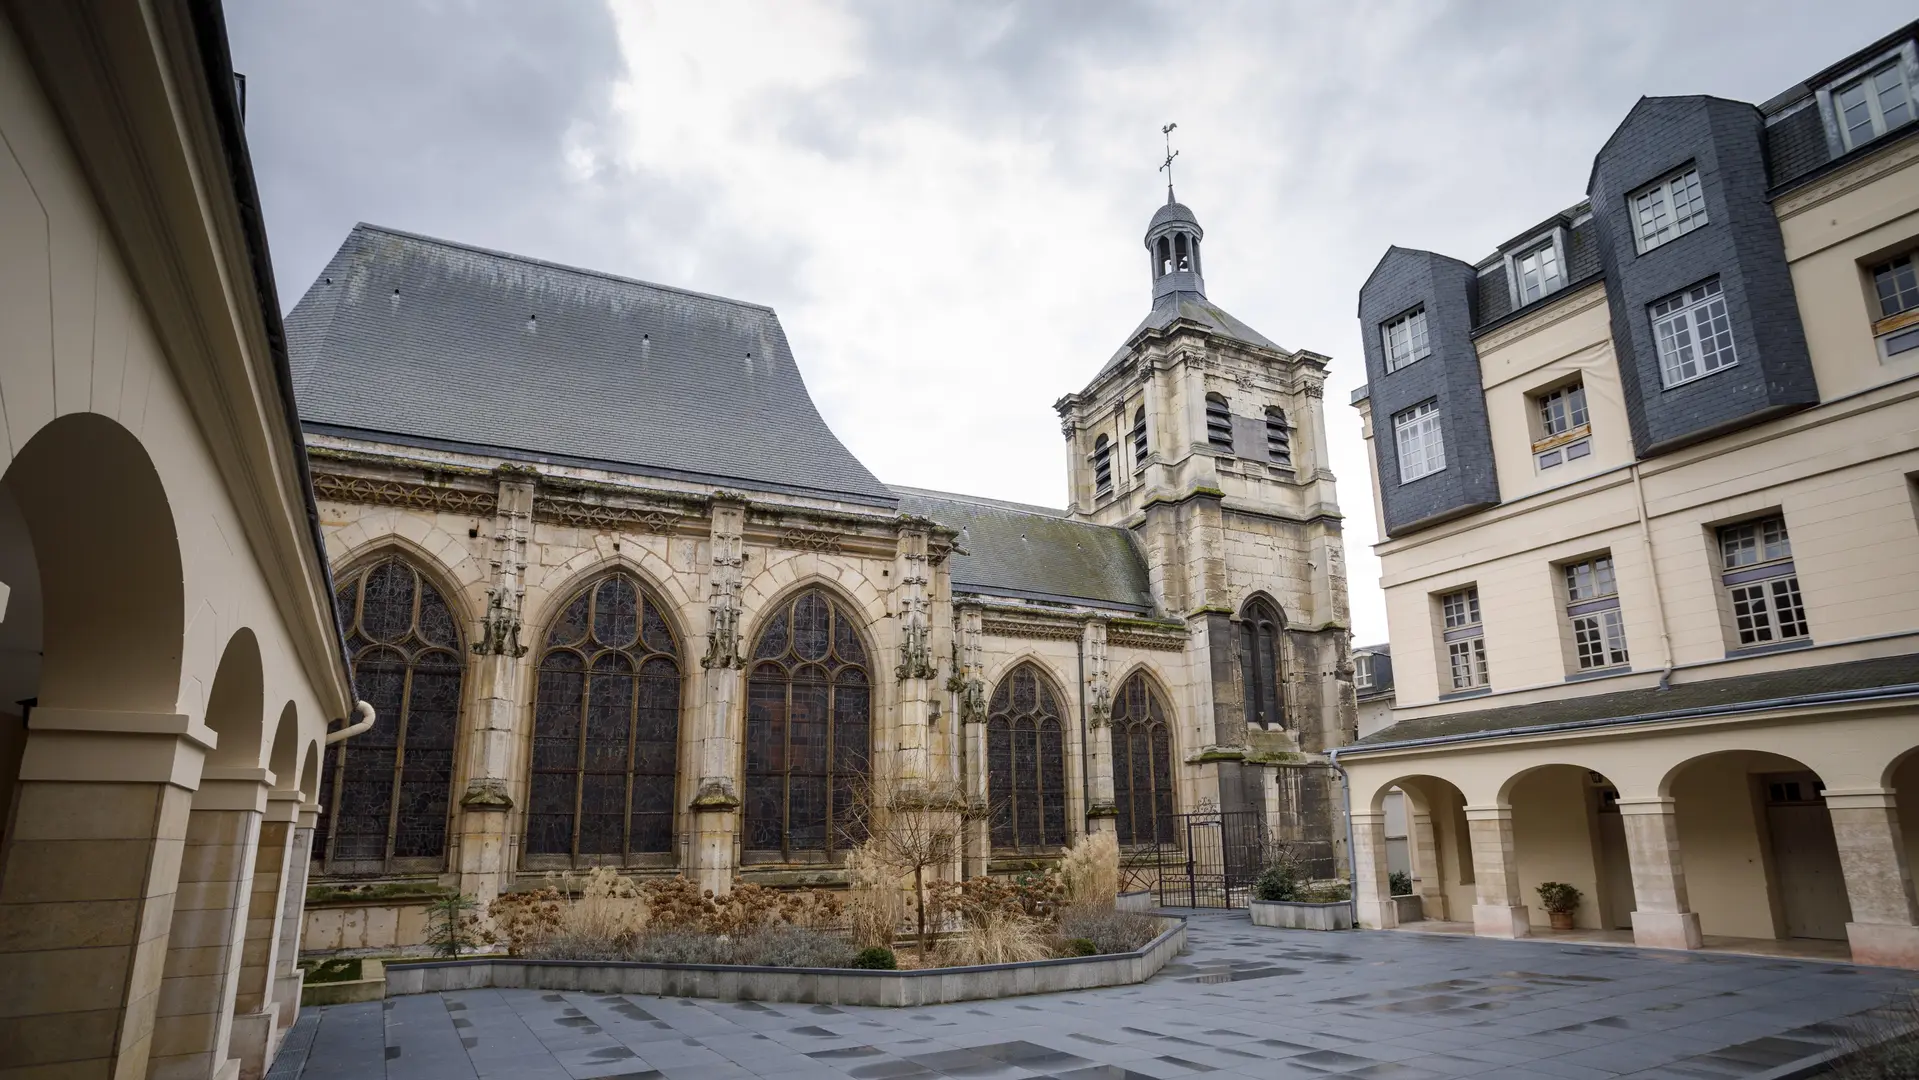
809 701
1142 763
1219 423
1026 762
606 730
384 793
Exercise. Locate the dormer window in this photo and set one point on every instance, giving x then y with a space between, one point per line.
1537 273
1669 209
1874 103
1404 339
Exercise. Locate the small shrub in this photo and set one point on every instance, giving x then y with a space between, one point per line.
1089 873
1080 946
875 902
1326 892
792 946
524 920
1109 930
1277 883
671 946
1558 897
451 925
1399 883
875 958
332 971
1000 936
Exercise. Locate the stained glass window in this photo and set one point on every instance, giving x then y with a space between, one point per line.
1142 763
606 730
1259 667
385 792
809 705
1026 762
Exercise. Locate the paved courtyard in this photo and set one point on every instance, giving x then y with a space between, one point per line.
1243 1002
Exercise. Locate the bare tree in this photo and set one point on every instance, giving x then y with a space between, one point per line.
912 827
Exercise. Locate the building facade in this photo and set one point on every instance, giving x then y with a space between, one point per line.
1646 478
168 656
633 604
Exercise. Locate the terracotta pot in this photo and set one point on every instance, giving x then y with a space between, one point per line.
1562 920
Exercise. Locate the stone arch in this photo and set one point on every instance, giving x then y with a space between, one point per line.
1146 761
566 581
236 705
310 773
284 756
1002 668
1567 827
1438 854
779 580
467 609
1028 720
420 537
110 576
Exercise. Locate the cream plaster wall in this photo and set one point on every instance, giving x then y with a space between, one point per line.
1722 837
1553 836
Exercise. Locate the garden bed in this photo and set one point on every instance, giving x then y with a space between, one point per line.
823 986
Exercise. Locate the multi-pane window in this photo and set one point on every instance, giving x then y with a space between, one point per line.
1668 209
1139 439
809 708
606 731
1422 450
1363 671
1219 423
1279 439
1693 333
1565 426
1259 664
384 794
1142 763
1538 272
1592 603
1465 638
1026 762
1896 285
1404 339
1874 104
1102 466
1757 570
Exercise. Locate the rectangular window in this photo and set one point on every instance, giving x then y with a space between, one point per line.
1873 104
1538 272
1465 638
1404 339
1422 449
1565 432
1895 284
1592 605
1363 671
1693 333
1668 209
1564 409
1761 582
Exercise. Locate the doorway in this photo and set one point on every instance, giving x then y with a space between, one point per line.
1805 858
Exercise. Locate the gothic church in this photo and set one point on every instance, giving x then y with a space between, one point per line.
619 597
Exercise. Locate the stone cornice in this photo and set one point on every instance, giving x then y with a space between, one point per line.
337 487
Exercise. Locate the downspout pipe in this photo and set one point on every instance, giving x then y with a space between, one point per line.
1652 572
366 724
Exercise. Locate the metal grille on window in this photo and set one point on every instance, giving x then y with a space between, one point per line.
1102 466
1279 439
1671 208
1139 439
1026 762
1142 763
1693 333
1259 664
1219 422
809 702
1464 636
1592 603
1761 583
606 726
385 794
1404 339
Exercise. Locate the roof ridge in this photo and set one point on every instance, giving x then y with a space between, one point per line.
566 267
1030 509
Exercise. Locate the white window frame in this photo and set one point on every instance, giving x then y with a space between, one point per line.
1592 609
1901 61
1464 637
1695 313
1417 339
1896 332
1363 671
1681 189
1553 239
1761 583
1572 442
1419 421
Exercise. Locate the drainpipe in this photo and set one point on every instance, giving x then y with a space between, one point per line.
1352 864
1652 571
366 723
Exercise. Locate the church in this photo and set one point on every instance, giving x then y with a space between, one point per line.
619 597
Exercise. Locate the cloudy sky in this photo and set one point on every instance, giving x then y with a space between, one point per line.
944 200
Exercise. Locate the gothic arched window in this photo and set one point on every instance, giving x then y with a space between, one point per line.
1142 763
1139 438
1102 466
384 793
1259 666
1026 762
809 704
606 729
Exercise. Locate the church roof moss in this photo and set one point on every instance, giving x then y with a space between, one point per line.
1033 553
405 338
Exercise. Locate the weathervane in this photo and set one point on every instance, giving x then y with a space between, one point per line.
1167 165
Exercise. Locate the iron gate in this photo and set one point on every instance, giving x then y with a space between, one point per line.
1206 859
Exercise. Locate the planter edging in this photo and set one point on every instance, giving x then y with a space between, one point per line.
1298 915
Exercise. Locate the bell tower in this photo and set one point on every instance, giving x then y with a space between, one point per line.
1173 241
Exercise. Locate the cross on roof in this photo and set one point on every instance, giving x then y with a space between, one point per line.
1167 165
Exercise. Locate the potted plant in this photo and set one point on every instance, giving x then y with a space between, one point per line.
1560 901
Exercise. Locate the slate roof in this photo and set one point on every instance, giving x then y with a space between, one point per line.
416 340
1894 675
1192 307
1033 553
1172 211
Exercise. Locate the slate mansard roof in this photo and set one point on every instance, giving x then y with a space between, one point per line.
1033 553
409 339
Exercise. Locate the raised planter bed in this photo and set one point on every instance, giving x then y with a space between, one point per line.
1412 909
823 986
1296 916
370 986
1140 901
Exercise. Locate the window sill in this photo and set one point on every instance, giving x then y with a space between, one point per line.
1403 481
1788 645
1665 386
1599 673
1458 695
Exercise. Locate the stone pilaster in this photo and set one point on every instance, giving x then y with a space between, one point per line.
485 856
255 1017
916 669
92 865
287 976
1498 911
1661 917
1101 813
1372 885
1872 855
1428 876
716 802
970 688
